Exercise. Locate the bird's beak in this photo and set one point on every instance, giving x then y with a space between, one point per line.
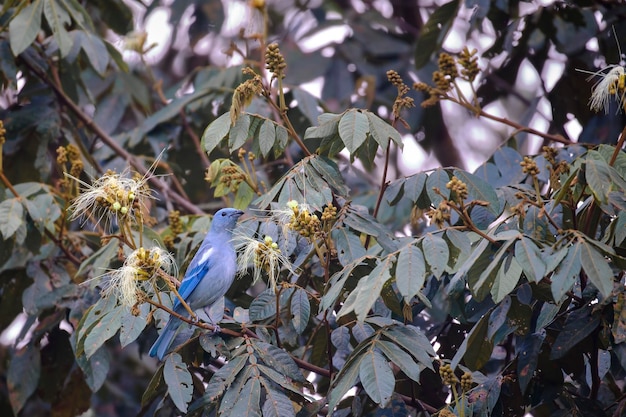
238 213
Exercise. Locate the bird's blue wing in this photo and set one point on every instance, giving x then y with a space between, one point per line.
198 268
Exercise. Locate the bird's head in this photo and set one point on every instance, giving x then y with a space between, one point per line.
225 219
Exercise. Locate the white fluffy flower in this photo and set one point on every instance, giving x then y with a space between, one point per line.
612 83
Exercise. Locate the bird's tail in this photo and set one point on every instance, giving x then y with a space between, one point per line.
164 341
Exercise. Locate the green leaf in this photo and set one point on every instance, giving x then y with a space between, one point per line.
329 171
279 379
263 306
597 269
436 253
132 325
529 257
579 324
247 404
488 274
437 179
413 341
233 392
22 376
267 137
434 31
369 288
598 176
300 310
178 380
344 380
24 27
11 217
349 246
403 360
564 276
507 278
282 137
479 189
279 360
276 403
381 131
410 272
215 132
239 132
476 348
353 128
105 329
57 17
95 49
153 387
328 123
528 357
221 380
414 185
377 377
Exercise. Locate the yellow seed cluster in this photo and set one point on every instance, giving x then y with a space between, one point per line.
275 61
466 381
232 177
529 166
394 78
442 82
69 155
458 187
447 66
3 133
244 93
440 215
115 196
469 63
401 101
447 375
263 253
550 154
446 413
303 222
176 225
329 213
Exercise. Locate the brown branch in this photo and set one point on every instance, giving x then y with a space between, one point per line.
244 332
108 140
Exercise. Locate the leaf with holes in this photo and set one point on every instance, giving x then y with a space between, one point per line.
178 380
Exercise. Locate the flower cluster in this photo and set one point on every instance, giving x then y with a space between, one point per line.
447 374
612 84
275 61
466 381
244 93
440 215
112 197
265 256
401 101
3 132
459 188
448 71
69 159
529 166
307 224
141 267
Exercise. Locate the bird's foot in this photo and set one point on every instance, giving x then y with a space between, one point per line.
216 329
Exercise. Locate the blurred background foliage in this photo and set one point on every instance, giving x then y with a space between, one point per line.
124 81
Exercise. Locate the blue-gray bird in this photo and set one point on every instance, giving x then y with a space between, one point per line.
208 277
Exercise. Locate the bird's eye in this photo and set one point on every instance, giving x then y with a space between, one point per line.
223 214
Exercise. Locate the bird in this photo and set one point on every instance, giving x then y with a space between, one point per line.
209 275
